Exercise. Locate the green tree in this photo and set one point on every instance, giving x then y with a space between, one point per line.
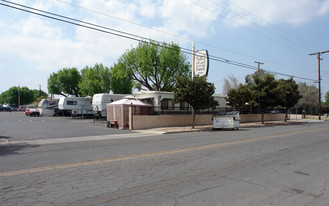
22 94
238 97
288 94
155 66
310 95
65 82
39 93
264 92
327 98
121 83
95 80
197 92
250 77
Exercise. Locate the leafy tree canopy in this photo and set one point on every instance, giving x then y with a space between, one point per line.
263 91
288 94
250 77
197 92
95 80
120 80
309 94
155 66
65 82
238 97
23 94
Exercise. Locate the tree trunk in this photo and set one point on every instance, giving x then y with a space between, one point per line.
286 116
193 121
262 116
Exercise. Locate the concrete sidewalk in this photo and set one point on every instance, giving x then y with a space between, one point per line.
166 130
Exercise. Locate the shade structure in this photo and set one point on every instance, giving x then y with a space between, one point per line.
119 110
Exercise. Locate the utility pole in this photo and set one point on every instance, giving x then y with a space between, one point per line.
19 97
319 81
39 89
259 63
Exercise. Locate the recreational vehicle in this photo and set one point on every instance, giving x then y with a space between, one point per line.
48 107
78 106
100 102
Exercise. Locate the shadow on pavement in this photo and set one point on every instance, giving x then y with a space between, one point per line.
13 149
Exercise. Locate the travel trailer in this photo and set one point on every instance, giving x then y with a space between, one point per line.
77 106
100 102
48 107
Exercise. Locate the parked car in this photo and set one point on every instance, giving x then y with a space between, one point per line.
32 112
5 109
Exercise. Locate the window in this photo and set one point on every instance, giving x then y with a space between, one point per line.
72 103
183 106
148 101
167 104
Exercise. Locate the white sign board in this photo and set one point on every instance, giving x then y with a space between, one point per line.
201 63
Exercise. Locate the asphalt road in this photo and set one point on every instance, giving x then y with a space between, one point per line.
17 126
281 165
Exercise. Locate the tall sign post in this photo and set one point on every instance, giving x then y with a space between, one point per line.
200 62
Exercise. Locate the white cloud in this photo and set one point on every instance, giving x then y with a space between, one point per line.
147 8
186 17
50 48
115 8
37 41
293 12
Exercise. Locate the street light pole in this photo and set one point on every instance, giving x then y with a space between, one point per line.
319 75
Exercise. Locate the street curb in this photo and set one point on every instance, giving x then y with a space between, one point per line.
210 128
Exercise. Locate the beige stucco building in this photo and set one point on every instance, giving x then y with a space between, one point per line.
163 102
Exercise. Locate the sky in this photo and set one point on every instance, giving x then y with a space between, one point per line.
279 33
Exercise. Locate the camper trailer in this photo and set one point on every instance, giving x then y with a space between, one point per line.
100 102
78 106
48 107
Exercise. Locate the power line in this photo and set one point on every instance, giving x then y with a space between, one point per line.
181 37
260 26
252 30
274 26
130 36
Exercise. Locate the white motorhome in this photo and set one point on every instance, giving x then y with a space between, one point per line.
100 102
77 105
48 107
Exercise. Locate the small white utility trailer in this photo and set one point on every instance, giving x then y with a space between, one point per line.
226 120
